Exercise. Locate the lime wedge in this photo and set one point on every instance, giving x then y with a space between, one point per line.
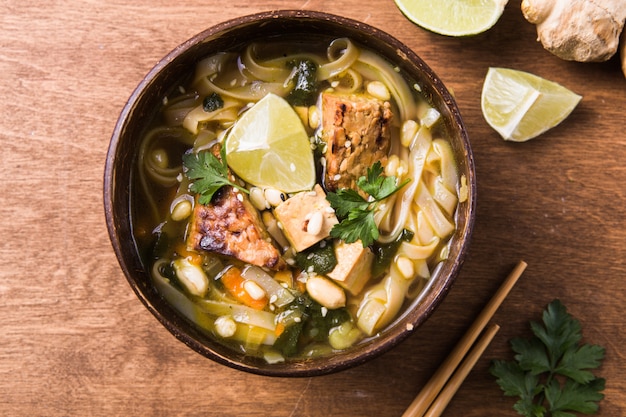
269 147
453 17
521 106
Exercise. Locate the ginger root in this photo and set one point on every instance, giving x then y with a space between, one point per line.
578 30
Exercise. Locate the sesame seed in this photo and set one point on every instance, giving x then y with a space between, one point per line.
297 319
292 167
348 144
337 177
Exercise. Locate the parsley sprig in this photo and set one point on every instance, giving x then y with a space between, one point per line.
208 173
357 213
551 373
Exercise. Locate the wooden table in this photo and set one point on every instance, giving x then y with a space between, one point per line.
74 340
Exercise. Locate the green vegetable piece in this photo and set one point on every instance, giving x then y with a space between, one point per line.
357 213
287 342
319 258
384 253
551 372
314 325
212 102
208 174
305 86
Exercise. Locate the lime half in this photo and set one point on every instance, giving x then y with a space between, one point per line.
453 17
269 147
521 106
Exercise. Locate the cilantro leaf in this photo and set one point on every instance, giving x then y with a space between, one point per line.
356 212
551 372
208 174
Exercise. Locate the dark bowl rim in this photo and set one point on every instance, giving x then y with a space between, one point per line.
396 334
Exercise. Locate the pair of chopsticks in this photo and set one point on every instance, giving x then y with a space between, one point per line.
439 390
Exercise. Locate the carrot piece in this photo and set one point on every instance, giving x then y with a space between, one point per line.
193 257
280 328
234 284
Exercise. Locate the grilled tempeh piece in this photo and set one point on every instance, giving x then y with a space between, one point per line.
231 226
357 132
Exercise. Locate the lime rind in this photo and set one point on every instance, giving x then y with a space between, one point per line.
453 17
521 106
269 147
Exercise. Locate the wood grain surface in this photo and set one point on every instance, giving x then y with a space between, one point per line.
75 341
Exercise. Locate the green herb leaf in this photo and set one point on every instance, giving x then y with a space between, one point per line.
319 258
208 174
357 213
572 396
377 185
346 201
551 373
212 102
305 83
359 224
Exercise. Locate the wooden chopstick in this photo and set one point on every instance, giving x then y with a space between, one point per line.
426 396
453 384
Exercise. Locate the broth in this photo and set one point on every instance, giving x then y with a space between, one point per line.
268 271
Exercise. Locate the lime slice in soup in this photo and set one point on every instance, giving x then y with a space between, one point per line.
521 106
269 147
453 17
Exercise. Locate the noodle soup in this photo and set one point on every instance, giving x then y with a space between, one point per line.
280 268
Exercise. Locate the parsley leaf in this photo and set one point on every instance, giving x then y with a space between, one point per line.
357 213
359 224
551 373
208 173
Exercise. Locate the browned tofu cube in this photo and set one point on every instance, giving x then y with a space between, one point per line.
354 266
306 218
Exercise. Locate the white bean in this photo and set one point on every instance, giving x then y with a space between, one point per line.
409 130
257 197
273 196
225 326
182 210
192 276
393 163
378 90
325 292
